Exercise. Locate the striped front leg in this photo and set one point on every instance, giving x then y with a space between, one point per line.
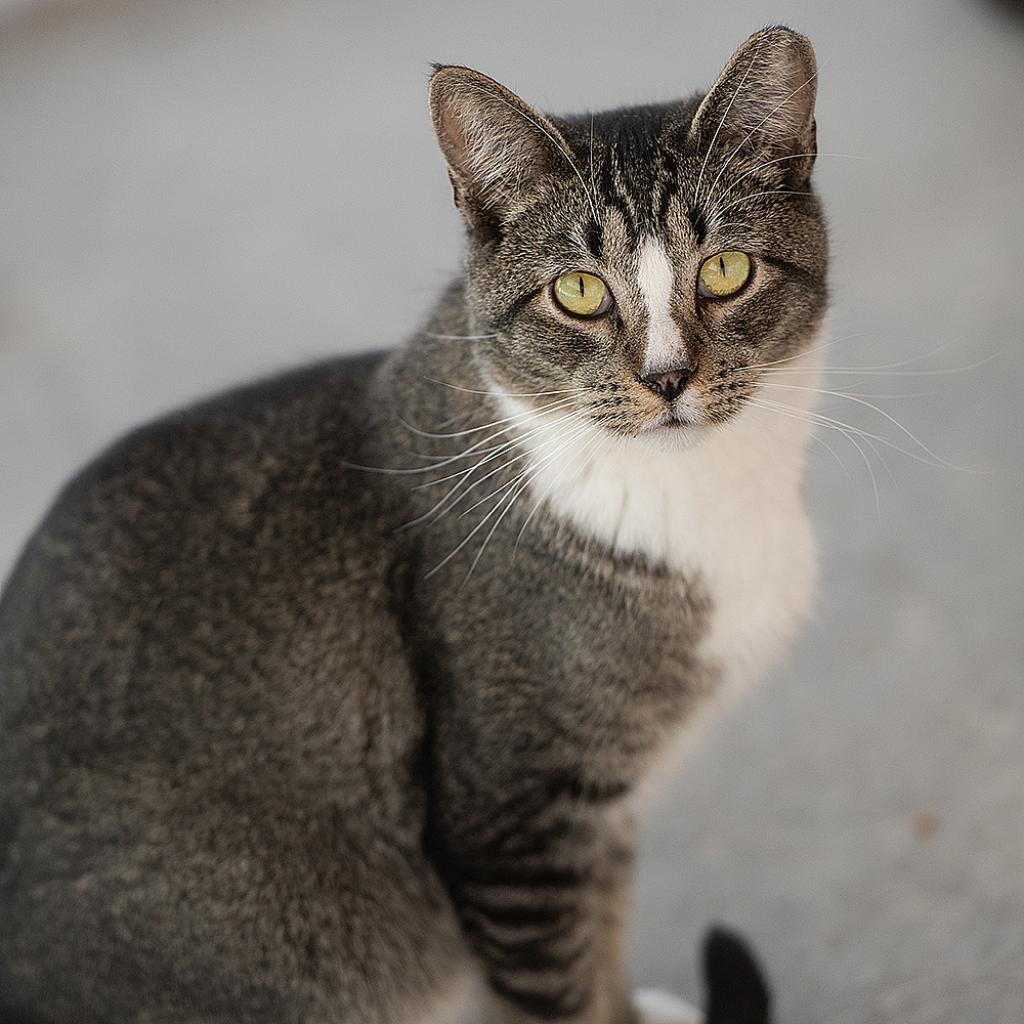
541 892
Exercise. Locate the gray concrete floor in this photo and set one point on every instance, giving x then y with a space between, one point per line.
195 193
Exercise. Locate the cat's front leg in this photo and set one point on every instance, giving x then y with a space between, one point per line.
545 913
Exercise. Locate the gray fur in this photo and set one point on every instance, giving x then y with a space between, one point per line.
260 759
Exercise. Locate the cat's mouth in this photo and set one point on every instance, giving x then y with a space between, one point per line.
674 423
683 421
674 419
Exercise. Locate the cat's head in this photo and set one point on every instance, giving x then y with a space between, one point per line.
636 266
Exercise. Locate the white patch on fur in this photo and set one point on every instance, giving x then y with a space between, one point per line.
724 507
657 1007
654 274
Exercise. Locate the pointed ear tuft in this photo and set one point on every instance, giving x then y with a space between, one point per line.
764 99
495 144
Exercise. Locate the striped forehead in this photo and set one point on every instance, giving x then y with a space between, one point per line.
639 181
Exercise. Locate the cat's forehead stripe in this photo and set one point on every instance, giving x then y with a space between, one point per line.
655 277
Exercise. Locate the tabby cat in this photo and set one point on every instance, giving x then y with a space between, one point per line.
330 699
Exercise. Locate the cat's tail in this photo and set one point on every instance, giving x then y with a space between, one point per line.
737 992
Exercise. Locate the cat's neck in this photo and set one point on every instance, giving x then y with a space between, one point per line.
726 513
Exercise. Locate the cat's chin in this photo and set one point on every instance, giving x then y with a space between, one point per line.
675 436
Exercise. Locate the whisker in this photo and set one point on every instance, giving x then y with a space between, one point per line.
777 160
766 381
824 420
449 500
525 454
554 404
589 447
458 337
497 450
768 192
796 355
884 371
812 419
444 461
465 453
877 409
525 477
506 394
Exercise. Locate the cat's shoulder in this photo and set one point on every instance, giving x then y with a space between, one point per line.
228 443
257 458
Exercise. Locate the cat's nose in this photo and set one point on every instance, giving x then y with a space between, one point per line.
669 384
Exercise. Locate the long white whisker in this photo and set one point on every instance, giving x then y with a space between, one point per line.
767 382
580 429
506 394
814 437
444 461
767 163
877 409
589 447
814 419
553 404
769 192
788 359
867 435
449 499
888 366
458 337
525 477
882 371
498 449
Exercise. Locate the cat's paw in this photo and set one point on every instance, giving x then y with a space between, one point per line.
657 1007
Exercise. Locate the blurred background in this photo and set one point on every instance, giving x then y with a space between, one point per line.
196 193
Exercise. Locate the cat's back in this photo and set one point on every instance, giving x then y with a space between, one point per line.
185 607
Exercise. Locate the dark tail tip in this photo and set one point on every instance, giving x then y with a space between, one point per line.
737 992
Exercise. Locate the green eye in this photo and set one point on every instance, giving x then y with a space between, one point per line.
582 294
724 274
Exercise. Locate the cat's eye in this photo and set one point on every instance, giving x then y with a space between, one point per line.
582 294
723 274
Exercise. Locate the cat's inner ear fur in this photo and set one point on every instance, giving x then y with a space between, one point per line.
497 147
763 102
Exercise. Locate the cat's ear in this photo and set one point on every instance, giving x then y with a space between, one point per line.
495 144
763 99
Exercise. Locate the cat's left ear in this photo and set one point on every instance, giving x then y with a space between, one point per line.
763 100
496 145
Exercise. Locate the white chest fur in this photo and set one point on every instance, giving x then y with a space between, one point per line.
727 510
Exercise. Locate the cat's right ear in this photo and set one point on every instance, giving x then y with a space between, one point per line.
763 100
495 144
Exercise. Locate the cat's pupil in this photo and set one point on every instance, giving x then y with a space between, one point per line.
582 288
721 265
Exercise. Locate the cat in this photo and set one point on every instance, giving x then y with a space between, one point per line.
333 698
